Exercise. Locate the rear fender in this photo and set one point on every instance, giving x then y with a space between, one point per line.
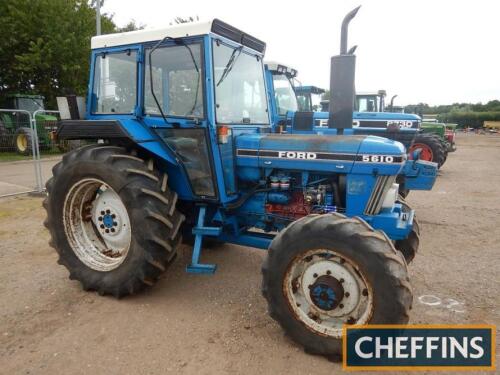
126 131
134 133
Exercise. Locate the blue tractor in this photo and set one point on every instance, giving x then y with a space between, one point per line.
293 111
298 110
187 146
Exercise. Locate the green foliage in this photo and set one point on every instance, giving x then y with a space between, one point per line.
45 46
491 106
469 119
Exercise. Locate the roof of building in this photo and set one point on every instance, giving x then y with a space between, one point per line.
179 31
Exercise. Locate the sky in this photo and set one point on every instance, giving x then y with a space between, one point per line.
430 51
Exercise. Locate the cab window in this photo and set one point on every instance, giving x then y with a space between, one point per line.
177 81
115 82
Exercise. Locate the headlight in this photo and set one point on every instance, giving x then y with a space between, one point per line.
391 196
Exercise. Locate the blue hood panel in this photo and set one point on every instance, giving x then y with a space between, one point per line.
374 115
317 153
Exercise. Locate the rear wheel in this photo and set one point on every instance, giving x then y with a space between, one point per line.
112 219
431 148
325 271
23 141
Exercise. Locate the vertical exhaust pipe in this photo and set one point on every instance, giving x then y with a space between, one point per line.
391 106
342 92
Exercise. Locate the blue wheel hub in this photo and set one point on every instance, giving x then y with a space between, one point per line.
326 293
107 220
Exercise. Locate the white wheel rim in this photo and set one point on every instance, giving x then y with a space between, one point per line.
346 296
97 225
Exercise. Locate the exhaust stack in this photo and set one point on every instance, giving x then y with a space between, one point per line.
342 92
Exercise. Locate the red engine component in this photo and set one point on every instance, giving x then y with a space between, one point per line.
450 135
296 209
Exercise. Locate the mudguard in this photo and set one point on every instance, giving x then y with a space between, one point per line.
420 174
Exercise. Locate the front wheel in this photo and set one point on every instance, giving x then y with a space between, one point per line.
112 219
325 271
409 246
23 141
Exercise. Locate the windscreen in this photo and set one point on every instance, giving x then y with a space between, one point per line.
284 94
240 95
30 104
367 103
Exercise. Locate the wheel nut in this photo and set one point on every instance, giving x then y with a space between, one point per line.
346 294
113 230
99 218
341 306
115 223
108 211
113 216
102 226
315 275
328 272
102 212
107 230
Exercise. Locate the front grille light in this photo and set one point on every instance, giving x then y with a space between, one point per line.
382 186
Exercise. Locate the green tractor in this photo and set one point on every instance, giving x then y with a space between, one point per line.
15 128
446 133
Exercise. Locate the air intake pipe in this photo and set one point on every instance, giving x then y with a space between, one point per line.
342 91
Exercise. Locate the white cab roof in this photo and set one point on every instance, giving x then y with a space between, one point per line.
273 65
149 35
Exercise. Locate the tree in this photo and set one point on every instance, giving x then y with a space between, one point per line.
45 46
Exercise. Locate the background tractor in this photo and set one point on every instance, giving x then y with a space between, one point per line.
189 147
292 112
445 132
15 128
300 114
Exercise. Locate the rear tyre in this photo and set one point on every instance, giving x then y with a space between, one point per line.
23 141
409 246
431 146
112 219
324 271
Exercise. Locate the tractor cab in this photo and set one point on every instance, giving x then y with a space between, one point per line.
370 101
309 98
30 103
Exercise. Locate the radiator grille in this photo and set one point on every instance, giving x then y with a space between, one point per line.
382 185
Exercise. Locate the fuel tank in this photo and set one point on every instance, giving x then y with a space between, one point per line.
316 153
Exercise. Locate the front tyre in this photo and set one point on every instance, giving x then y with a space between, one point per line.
325 271
112 219
23 141
409 246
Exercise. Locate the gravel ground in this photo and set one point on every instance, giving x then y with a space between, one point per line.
218 324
